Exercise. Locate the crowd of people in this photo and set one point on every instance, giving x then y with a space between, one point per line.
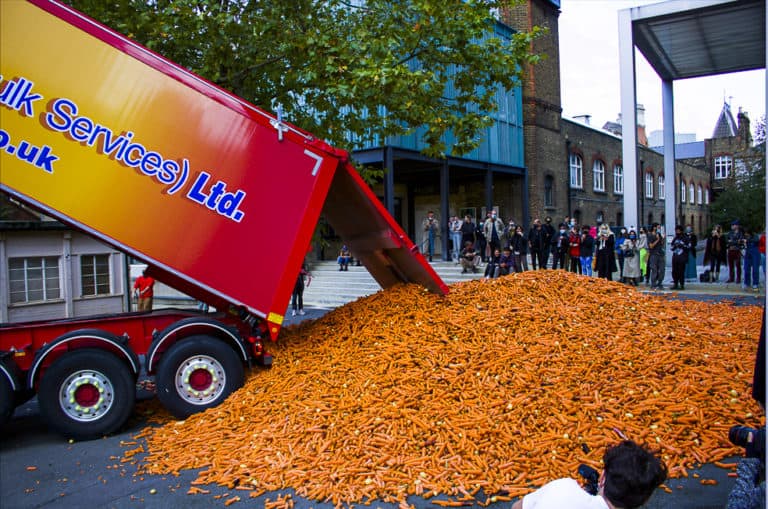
637 255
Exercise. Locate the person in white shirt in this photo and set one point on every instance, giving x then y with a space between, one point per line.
630 476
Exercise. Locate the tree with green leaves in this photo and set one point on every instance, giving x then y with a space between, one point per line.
743 197
342 69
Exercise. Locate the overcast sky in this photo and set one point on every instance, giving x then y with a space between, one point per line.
589 66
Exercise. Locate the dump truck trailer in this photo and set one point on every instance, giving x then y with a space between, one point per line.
219 198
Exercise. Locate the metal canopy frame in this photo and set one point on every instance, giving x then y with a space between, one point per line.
682 39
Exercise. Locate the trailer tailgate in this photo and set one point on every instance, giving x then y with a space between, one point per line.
373 236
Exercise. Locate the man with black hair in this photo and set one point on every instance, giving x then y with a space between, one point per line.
630 476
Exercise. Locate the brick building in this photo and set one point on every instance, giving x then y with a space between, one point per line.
574 169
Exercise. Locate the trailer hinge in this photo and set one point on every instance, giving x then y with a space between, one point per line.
278 124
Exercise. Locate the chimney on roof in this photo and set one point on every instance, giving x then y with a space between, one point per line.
743 132
642 138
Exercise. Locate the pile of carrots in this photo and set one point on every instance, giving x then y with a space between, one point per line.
479 396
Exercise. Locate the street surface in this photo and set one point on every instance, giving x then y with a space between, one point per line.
40 469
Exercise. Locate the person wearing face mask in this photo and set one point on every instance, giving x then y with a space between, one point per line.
690 267
631 253
680 247
560 248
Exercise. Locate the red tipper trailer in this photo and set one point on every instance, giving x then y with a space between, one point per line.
218 197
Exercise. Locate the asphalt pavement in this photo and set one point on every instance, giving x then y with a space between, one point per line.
40 469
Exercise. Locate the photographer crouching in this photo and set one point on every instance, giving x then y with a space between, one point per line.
630 475
749 490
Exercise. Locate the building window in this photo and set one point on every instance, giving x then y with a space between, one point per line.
599 218
576 171
618 179
649 185
706 196
661 187
34 279
94 274
549 192
700 195
723 167
692 193
682 192
598 175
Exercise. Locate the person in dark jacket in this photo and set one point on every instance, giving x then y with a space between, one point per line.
693 240
549 233
537 242
715 253
467 231
605 254
519 246
560 247
680 247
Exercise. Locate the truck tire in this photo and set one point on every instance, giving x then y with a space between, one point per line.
197 373
87 394
7 400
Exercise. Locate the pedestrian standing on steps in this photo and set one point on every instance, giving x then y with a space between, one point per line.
679 247
297 298
693 240
751 260
715 253
605 255
586 251
467 232
430 227
656 257
493 229
735 245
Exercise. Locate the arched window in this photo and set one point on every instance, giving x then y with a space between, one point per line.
649 185
661 187
692 193
706 196
618 179
577 173
682 192
700 195
549 194
598 175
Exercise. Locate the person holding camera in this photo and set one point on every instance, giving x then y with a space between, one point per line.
631 253
749 490
630 475
680 247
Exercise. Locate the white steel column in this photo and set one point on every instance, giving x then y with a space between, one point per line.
670 181
628 116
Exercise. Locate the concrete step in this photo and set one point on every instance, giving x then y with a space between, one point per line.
331 288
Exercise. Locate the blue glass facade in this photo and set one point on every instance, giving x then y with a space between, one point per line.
502 142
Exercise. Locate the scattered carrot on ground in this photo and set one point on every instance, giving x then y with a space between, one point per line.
496 389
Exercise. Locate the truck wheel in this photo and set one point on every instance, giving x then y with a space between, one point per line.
197 373
7 400
87 394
